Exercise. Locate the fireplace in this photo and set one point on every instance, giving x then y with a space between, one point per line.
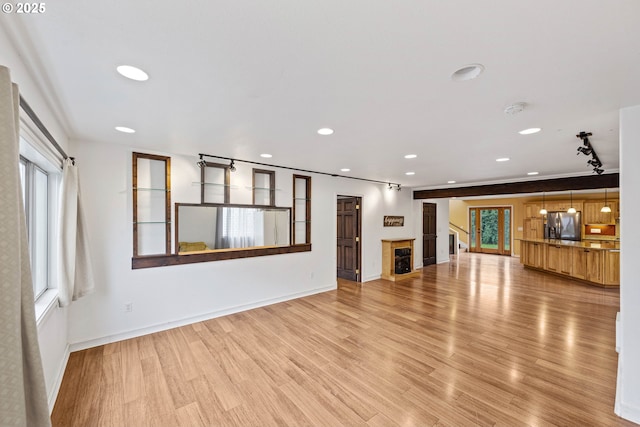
402 260
397 259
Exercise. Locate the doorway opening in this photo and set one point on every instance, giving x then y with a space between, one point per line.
349 231
490 230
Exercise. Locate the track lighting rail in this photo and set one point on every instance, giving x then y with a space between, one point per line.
232 161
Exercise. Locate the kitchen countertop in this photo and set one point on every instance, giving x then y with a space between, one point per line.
587 244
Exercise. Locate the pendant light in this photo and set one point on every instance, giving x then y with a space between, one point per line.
605 208
543 211
571 209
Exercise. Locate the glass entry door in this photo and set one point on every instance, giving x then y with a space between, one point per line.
490 230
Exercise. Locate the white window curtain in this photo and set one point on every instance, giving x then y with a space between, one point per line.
75 275
235 228
23 396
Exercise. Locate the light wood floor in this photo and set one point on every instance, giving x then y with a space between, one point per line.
478 341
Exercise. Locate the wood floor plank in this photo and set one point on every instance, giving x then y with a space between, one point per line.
478 341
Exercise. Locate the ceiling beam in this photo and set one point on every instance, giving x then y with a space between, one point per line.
590 182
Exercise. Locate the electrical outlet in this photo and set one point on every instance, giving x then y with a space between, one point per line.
128 307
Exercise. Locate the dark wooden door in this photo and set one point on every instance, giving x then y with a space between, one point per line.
348 245
428 234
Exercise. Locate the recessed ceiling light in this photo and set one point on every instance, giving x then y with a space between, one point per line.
529 131
325 131
468 72
503 159
125 129
532 173
132 73
345 170
266 156
451 182
410 156
409 173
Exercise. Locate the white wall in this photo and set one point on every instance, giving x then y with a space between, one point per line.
628 393
169 296
52 328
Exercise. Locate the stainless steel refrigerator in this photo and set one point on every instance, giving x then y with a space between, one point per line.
563 225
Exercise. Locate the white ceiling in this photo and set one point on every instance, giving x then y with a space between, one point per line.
238 78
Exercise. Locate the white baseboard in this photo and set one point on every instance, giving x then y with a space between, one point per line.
629 412
53 393
189 320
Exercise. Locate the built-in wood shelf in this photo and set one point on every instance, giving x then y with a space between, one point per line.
397 259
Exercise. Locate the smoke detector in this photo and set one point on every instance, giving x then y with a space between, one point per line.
514 109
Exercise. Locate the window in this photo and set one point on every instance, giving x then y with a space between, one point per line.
37 206
40 177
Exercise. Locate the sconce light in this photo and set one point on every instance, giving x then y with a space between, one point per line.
543 211
605 208
232 166
571 209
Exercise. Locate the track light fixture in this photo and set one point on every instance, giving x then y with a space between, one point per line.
587 150
595 163
584 150
232 168
201 163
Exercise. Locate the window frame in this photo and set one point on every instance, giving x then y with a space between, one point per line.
30 194
35 150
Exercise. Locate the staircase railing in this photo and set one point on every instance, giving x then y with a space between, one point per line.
459 228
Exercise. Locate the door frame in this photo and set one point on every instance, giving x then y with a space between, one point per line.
359 232
475 233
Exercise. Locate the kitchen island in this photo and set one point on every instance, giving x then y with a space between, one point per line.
592 262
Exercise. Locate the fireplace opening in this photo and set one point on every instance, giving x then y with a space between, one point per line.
402 260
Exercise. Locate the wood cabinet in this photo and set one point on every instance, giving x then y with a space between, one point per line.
559 259
532 210
612 267
579 267
533 228
596 263
595 266
592 214
533 254
588 264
